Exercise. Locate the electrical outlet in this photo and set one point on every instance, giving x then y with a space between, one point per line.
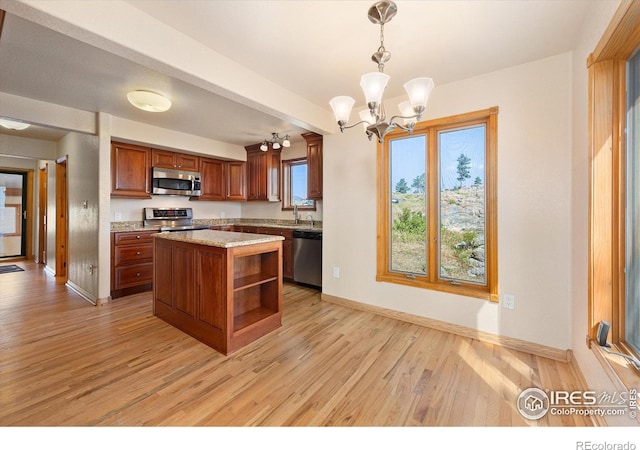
336 272
508 301
222 214
118 216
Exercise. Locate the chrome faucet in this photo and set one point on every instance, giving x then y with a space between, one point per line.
309 216
296 216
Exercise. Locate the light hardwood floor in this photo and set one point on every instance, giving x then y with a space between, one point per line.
66 362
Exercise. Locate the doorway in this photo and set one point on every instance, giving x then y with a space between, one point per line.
13 214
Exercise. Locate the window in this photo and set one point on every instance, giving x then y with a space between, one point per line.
614 287
437 221
632 291
294 185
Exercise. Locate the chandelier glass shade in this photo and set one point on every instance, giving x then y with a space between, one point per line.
276 142
373 85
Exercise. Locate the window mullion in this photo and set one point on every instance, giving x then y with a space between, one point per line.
432 205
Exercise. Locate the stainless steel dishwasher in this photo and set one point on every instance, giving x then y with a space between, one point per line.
307 257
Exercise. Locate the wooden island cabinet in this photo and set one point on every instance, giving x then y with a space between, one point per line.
222 288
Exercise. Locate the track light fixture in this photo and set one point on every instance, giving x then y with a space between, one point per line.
276 142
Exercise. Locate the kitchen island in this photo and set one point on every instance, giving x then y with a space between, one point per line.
223 288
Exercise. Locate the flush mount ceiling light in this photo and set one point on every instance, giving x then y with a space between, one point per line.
373 85
149 101
13 125
273 142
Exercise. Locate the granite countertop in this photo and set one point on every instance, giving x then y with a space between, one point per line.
290 225
223 239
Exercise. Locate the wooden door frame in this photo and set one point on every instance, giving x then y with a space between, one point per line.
61 220
43 197
28 208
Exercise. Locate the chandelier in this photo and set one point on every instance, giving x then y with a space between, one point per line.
274 142
373 85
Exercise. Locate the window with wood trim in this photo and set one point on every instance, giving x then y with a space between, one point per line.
437 208
614 203
294 185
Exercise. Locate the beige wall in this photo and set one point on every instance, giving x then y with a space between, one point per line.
534 207
23 153
51 214
82 172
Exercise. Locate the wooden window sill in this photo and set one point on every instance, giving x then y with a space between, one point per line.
620 371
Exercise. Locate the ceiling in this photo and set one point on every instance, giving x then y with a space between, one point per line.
313 49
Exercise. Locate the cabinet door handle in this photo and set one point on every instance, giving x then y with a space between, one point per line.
138 237
137 253
138 274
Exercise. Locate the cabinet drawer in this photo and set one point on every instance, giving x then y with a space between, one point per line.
133 275
133 253
284 232
142 237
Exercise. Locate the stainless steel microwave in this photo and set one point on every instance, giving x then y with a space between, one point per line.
175 182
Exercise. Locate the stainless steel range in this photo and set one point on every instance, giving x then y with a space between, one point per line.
171 219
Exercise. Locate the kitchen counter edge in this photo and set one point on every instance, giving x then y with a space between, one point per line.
222 239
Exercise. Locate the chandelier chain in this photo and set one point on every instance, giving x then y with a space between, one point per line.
381 49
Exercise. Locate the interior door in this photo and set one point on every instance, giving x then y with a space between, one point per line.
13 214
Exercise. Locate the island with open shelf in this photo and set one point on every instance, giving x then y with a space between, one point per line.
223 288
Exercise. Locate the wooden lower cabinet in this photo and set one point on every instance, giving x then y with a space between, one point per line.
131 262
224 297
287 248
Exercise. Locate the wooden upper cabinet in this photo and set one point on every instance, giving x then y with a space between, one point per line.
236 178
263 174
172 160
212 178
222 180
130 171
314 165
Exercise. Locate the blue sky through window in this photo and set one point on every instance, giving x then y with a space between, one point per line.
408 156
298 183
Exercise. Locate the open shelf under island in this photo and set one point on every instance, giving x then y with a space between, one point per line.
223 288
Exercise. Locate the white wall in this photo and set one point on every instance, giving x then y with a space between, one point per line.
137 132
23 153
534 209
82 244
131 209
51 215
26 148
